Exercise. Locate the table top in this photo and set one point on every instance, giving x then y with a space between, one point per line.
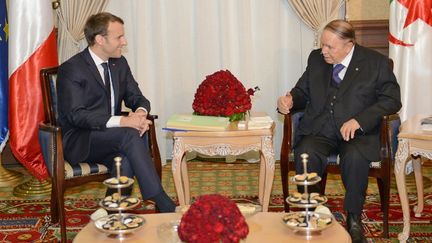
263 227
411 129
232 130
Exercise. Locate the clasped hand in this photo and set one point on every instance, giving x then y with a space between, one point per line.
137 120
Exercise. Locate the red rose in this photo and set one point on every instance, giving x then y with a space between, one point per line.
213 218
222 94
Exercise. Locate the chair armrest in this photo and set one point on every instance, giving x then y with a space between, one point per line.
388 136
48 127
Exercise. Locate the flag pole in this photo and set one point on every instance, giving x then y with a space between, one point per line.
9 177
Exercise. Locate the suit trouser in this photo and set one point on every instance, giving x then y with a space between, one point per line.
354 167
106 144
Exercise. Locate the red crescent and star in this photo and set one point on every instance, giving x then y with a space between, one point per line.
417 9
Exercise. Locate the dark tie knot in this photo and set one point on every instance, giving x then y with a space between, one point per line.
105 65
336 70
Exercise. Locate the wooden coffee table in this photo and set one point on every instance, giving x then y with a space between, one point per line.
232 141
263 227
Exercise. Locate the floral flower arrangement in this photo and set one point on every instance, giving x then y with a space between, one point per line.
213 218
222 94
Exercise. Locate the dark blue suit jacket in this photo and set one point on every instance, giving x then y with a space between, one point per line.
83 103
368 92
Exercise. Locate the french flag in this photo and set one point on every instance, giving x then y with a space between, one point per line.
32 46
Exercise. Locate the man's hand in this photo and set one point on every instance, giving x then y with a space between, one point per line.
137 120
348 129
285 103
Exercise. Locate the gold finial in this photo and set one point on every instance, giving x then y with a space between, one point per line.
55 4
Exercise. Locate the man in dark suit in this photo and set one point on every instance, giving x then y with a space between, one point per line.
345 91
91 88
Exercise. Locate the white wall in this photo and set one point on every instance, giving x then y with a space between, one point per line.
174 44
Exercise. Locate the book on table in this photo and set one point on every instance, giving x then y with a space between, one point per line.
426 123
189 122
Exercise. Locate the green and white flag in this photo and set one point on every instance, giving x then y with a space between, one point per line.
411 50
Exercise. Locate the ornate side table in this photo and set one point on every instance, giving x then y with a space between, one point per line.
233 141
414 143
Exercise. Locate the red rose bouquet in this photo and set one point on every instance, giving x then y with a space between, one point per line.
213 218
222 94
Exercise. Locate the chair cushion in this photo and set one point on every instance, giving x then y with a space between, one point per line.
84 169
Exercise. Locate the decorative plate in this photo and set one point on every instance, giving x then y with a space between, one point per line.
315 222
306 200
117 203
302 179
119 224
121 182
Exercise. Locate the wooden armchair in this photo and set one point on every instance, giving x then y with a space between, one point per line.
64 175
381 170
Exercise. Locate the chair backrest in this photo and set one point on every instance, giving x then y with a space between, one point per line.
48 78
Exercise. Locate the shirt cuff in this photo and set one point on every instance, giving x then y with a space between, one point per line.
114 121
142 108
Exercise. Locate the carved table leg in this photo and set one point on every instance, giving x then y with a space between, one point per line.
261 179
268 153
401 158
418 209
178 153
185 179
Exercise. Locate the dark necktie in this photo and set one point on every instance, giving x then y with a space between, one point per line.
336 70
107 82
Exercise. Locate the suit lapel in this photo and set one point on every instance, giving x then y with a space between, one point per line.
352 71
93 69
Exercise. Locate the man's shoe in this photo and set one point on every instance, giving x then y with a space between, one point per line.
163 203
355 228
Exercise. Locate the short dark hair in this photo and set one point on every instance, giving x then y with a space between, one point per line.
97 24
341 28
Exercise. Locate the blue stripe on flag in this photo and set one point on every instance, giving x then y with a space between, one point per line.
4 131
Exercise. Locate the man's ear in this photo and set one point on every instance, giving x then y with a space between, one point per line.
99 39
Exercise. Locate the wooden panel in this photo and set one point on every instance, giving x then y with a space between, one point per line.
372 34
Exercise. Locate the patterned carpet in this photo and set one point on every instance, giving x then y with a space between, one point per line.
24 220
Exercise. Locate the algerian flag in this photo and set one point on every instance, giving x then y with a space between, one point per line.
411 50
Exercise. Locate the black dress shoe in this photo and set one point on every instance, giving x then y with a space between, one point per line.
163 203
355 228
